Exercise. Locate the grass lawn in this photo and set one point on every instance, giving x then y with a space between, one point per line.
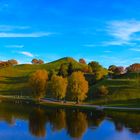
119 90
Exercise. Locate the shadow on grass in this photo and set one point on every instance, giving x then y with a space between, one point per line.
14 80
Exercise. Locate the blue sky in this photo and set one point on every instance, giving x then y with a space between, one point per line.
107 31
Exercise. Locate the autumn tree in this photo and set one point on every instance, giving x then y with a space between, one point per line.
77 86
34 61
112 68
134 67
119 70
40 61
38 83
37 61
82 61
13 62
58 87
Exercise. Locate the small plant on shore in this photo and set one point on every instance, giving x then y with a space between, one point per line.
101 91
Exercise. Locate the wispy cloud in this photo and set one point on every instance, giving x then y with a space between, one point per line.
135 49
14 46
26 53
108 51
24 35
122 32
11 28
90 45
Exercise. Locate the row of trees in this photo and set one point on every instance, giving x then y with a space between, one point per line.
37 61
11 62
75 87
118 70
98 72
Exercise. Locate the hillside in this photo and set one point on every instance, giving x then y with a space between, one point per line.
119 89
13 79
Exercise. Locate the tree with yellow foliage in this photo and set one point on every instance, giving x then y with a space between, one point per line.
77 86
38 83
58 86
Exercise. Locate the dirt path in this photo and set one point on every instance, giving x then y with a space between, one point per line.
89 105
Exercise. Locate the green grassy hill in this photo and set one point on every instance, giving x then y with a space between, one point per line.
120 89
13 79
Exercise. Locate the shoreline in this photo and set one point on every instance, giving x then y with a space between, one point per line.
47 103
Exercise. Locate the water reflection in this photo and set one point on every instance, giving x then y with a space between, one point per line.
37 122
75 123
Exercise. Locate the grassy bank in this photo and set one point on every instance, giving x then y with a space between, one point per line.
119 90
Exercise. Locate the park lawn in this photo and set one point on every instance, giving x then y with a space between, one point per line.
129 103
119 90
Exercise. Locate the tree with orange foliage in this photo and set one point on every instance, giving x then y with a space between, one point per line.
134 68
58 86
38 83
77 86
82 61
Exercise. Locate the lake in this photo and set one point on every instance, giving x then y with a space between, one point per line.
27 122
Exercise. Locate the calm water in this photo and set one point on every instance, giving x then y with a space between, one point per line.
22 122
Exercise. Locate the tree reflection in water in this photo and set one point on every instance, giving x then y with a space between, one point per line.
37 122
126 119
74 121
58 120
76 124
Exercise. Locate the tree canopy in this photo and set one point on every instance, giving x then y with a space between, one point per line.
38 83
58 87
77 86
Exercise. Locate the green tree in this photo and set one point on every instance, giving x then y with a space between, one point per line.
95 66
98 71
63 71
70 69
51 74
77 86
58 87
38 83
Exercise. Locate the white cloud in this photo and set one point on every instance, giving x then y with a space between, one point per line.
123 31
24 35
14 46
26 53
10 27
135 49
108 51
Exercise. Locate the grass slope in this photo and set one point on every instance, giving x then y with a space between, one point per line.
13 80
119 89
